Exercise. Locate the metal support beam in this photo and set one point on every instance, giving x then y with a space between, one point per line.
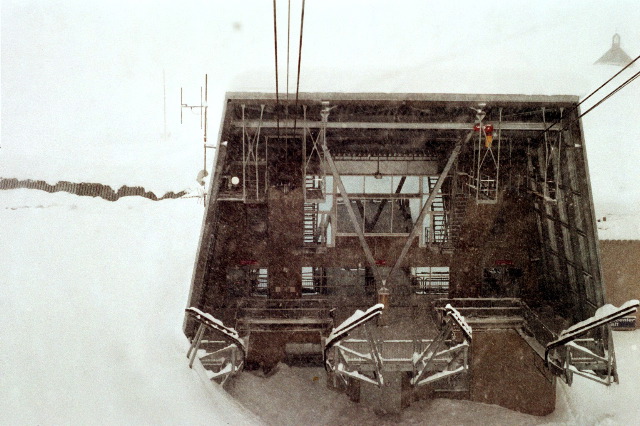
588 209
345 196
250 159
374 353
300 125
417 227
195 345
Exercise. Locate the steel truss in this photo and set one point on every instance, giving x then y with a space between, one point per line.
579 349
313 166
444 363
484 178
222 358
254 161
367 359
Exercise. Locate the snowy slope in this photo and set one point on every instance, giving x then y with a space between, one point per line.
93 294
92 304
589 403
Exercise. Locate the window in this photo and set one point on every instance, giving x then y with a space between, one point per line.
332 281
377 216
430 279
383 205
259 281
310 283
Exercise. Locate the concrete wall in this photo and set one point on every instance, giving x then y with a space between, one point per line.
507 372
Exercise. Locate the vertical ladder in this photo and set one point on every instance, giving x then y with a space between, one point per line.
439 219
251 188
310 224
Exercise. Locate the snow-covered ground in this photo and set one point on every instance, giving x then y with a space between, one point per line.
92 300
295 396
93 294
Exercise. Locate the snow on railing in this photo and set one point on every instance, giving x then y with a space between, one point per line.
570 355
215 324
454 355
232 355
357 319
340 364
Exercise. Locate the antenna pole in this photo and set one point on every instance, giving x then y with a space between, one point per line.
203 117
206 106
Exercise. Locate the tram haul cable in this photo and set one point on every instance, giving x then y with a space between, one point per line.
616 90
295 119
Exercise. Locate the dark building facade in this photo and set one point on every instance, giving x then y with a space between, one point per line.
325 204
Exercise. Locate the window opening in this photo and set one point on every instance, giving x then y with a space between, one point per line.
386 206
430 279
259 279
310 285
333 281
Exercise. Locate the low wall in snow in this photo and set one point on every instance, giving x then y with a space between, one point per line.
87 189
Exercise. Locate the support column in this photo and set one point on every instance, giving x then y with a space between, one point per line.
345 196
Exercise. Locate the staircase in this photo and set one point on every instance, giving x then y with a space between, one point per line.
440 229
314 189
310 226
441 222
460 201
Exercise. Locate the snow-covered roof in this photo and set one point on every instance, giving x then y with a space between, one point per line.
399 96
618 225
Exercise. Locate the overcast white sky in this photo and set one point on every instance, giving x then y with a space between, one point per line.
82 82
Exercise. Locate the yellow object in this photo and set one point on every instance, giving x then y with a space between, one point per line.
488 141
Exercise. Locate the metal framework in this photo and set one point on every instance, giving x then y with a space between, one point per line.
578 351
309 124
222 358
254 161
313 168
427 206
482 179
428 360
345 196
333 206
565 221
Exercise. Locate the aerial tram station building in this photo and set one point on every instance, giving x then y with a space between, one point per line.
460 229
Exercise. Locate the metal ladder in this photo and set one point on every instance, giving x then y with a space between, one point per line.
310 224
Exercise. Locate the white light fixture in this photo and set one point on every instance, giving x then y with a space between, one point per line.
235 180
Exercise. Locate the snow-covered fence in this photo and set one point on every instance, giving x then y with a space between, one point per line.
86 189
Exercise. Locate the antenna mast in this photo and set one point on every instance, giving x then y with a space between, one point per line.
203 107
